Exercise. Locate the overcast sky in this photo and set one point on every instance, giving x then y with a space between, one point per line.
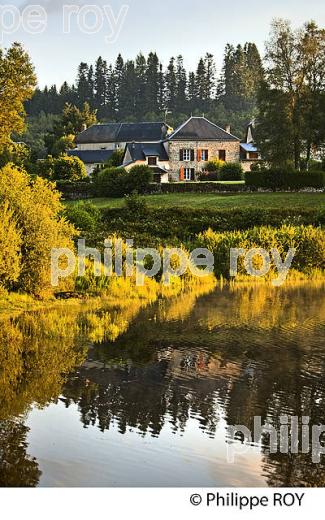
170 27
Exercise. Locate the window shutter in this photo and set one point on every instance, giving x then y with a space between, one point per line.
181 174
192 174
199 155
181 155
192 155
207 155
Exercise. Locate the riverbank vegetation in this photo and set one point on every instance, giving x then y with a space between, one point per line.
33 224
35 221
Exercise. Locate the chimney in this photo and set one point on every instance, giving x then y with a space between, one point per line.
227 129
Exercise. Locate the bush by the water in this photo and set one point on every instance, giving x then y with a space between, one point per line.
30 210
117 182
277 179
308 241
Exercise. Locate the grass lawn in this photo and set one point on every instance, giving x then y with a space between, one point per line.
214 201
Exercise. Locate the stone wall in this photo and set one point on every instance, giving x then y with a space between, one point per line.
232 149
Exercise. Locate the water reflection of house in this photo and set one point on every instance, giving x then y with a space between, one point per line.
195 363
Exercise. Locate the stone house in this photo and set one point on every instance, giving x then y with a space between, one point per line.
194 143
174 156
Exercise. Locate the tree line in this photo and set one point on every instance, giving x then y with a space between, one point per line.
134 90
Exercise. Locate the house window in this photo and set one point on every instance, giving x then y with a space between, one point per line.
186 154
222 155
204 155
253 155
152 161
188 174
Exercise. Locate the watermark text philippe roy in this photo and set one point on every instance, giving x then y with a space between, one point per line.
122 259
87 19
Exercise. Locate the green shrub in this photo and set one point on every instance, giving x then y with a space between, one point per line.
277 179
208 176
110 182
84 215
135 204
210 167
138 179
62 168
117 182
231 172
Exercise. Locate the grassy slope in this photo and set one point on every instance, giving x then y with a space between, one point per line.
214 201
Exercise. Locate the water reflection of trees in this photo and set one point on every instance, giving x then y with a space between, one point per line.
17 468
245 354
37 353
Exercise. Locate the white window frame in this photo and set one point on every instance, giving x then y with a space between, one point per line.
187 154
187 174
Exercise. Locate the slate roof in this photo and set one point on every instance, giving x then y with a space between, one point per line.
92 156
139 151
201 129
248 147
123 133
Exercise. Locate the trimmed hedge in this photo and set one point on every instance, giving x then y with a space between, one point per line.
277 179
85 190
196 187
72 190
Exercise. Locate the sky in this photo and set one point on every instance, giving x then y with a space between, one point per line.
67 36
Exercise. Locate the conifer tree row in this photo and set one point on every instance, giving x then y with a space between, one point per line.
144 89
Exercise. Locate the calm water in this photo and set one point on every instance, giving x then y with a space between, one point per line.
135 395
